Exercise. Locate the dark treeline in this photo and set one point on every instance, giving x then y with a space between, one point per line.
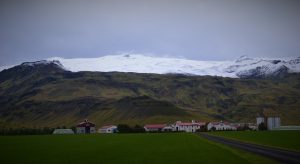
26 131
123 128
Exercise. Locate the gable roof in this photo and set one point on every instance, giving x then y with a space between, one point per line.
86 123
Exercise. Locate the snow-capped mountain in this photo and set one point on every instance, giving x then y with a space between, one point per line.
243 67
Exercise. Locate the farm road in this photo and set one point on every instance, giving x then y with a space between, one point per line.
283 156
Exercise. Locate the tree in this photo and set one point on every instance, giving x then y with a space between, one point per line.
213 128
203 128
73 128
138 129
123 128
262 126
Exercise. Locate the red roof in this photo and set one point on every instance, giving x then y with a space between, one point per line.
86 123
155 126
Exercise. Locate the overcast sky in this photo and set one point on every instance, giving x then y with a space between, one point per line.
194 29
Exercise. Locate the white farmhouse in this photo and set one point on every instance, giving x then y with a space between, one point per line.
187 126
220 126
108 129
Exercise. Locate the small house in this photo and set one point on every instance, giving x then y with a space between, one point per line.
85 127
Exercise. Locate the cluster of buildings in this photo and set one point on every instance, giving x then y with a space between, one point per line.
87 127
194 126
177 126
267 120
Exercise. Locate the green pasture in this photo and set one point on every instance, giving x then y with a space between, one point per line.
120 148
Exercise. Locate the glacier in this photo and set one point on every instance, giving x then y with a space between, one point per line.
139 63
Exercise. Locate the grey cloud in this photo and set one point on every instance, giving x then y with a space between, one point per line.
195 29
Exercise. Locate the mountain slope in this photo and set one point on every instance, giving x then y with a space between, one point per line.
45 94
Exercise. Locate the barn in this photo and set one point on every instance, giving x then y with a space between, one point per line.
85 127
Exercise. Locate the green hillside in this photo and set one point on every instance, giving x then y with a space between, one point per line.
45 95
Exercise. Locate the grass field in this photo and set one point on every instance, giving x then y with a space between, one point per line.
120 148
282 139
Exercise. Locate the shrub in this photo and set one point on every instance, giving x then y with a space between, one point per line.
138 129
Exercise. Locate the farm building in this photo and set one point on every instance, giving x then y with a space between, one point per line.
188 126
63 131
155 127
108 129
220 126
269 118
85 127
244 126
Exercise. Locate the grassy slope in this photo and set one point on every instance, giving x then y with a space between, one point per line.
282 139
120 148
57 98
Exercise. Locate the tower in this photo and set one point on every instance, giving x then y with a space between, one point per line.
270 118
